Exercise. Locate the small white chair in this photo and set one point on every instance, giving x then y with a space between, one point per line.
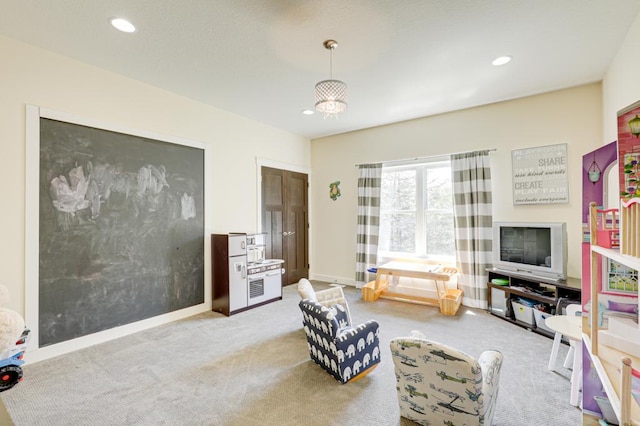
329 297
572 310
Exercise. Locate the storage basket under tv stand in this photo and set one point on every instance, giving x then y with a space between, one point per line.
569 289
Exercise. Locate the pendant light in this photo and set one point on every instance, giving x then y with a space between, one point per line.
594 171
331 95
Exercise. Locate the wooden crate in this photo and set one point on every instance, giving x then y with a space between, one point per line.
450 301
369 292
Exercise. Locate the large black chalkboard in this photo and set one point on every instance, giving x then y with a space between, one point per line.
121 229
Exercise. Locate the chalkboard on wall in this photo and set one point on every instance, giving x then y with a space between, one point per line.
121 229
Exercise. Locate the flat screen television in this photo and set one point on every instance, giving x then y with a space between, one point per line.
531 248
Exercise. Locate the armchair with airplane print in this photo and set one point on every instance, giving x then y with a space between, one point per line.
437 384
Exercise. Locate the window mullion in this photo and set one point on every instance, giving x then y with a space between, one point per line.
421 232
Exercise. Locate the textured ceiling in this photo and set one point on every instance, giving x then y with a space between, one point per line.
401 59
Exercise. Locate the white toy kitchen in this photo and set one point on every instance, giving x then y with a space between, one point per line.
242 277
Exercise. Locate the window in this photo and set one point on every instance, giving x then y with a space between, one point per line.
416 211
620 279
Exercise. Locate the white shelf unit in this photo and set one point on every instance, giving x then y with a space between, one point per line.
608 361
614 254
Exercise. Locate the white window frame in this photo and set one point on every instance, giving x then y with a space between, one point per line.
419 210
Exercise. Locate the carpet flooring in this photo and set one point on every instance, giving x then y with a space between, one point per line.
253 368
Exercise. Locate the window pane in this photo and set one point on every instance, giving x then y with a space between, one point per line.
398 190
438 189
416 215
397 232
621 279
440 235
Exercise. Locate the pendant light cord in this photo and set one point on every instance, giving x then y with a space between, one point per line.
331 64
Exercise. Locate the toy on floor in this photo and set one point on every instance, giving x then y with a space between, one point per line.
14 337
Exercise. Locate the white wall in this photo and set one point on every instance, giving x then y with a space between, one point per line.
620 86
33 76
570 116
582 117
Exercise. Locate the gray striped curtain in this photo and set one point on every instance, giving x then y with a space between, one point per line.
473 220
368 220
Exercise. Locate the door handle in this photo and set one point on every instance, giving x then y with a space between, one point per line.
286 234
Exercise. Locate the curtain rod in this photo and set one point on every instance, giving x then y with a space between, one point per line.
424 158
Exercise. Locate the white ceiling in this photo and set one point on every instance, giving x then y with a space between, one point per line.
401 59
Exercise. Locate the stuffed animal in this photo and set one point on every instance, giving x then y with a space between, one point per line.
11 323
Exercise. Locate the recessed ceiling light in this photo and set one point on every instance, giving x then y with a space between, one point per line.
501 60
122 25
307 111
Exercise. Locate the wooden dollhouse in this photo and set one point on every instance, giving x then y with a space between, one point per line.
615 350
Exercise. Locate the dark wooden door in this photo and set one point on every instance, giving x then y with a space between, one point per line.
285 220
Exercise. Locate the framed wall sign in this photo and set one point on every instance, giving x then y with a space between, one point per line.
540 175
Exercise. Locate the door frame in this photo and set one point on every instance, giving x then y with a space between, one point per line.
260 162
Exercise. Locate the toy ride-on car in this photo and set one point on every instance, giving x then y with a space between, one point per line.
11 362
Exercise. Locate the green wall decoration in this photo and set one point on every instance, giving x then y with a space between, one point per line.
334 190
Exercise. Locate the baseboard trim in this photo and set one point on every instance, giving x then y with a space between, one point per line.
332 279
33 355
